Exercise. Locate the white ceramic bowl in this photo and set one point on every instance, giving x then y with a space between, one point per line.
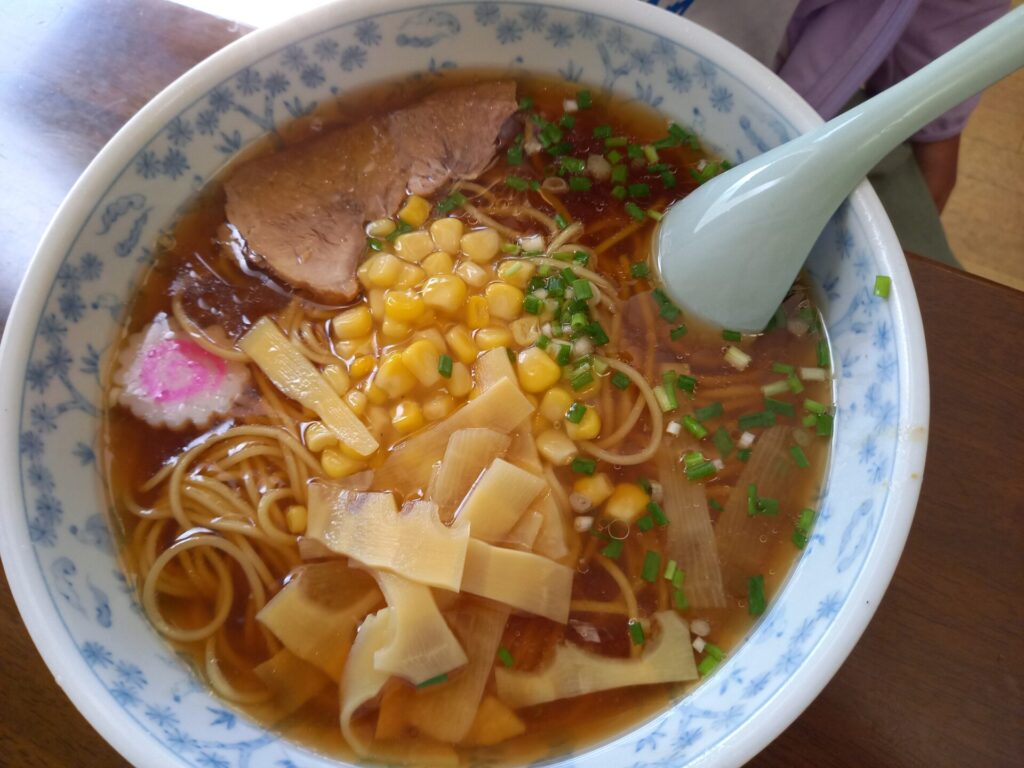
55 543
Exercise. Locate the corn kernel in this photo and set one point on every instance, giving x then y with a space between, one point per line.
394 330
415 211
481 245
473 274
492 337
337 377
337 465
404 306
525 330
361 366
596 489
407 416
627 502
380 227
380 271
556 447
438 263
434 337
318 437
357 401
460 382
446 234
414 246
421 358
375 395
393 377
295 517
504 301
555 403
445 293
375 297
536 371
352 323
517 273
438 406
411 277
477 313
461 342
352 348
588 428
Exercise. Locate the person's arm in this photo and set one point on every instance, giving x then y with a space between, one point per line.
938 163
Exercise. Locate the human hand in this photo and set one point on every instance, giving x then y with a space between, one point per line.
938 162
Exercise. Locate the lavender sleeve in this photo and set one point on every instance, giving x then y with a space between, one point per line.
937 26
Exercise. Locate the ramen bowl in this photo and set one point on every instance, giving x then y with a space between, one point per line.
59 553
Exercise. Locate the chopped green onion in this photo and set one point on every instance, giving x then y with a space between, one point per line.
883 284
581 257
737 358
707 666
639 270
634 151
635 211
665 402
767 506
799 457
700 471
515 154
714 505
732 335
525 103
759 419
543 341
576 412
560 221
679 600
433 681
639 190
657 513
400 229
582 289
450 203
645 523
572 164
613 549
751 500
669 312
670 570
677 332
781 407
723 442
505 657
694 427
584 99
597 333
620 380
782 368
813 406
614 156
584 466
516 183
668 179
712 650
709 411
532 304
636 632
581 380
616 141
602 131
823 424
579 183
444 366
578 321
775 388
810 420
687 383
823 356
644 483
650 153
555 286
802 529
743 454
563 355
374 244
794 384
567 121
619 192
655 214
651 567
678 578
511 248
755 595
619 174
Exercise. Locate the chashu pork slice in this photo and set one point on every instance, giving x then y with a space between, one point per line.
302 210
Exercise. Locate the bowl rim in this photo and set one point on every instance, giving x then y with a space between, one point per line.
807 681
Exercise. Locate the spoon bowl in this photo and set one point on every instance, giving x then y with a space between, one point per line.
729 252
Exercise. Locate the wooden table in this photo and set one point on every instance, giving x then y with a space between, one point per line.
938 678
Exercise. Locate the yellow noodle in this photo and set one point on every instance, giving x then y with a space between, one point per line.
596 606
656 425
200 337
221 684
263 514
486 220
618 237
564 236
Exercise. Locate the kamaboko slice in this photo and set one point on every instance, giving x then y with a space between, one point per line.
167 380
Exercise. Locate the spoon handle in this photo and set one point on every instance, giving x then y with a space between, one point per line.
873 129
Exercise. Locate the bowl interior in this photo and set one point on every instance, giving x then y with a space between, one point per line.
57 548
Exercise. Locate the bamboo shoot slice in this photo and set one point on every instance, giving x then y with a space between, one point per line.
739 534
690 537
367 527
574 672
446 712
291 682
421 645
494 724
316 614
468 453
408 468
523 580
293 374
526 531
498 499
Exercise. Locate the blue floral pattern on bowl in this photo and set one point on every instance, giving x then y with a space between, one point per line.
61 485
